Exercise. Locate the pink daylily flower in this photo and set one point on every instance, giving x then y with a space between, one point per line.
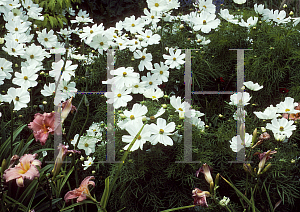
82 192
24 170
42 125
200 197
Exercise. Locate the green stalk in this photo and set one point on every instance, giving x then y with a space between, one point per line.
12 127
121 165
180 208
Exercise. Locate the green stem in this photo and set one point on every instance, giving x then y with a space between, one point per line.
121 165
180 208
12 128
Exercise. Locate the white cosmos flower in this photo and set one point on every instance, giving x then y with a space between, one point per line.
137 113
48 90
152 94
5 68
119 97
282 126
206 22
253 86
179 107
19 96
157 5
251 21
13 48
174 59
66 74
88 163
240 98
239 1
48 40
125 77
269 113
288 106
161 132
133 130
146 59
87 143
161 71
151 81
206 5
25 79
236 143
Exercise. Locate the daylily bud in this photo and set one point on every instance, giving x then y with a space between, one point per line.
266 168
248 168
217 179
254 136
211 187
3 165
66 108
205 169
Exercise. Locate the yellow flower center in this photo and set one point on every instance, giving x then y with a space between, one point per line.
148 36
82 16
101 43
161 131
16 40
174 58
153 97
15 14
136 42
66 88
119 95
28 7
132 117
25 78
91 31
180 109
204 22
139 138
136 86
152 16
32 56
133 25
204 6
46 39
281 128
13 50
17 98
161 72
86 144
152 117
2 68
150 83
287 110
156 4
124 74
120 44
143 57
16 29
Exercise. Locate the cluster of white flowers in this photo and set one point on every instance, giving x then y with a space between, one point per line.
88 142
282 128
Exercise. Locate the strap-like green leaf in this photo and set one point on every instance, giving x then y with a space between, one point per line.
105 196
65 180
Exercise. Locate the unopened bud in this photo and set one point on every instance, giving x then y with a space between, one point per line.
144 119
16 65
82 158
291 13
164 106
266 168
93 172
122 116
284 6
